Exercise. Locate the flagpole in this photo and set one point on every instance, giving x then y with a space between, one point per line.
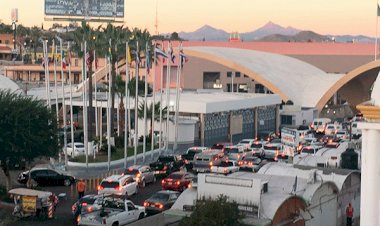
63 99
85 115
117 108
377 19
167 98
161 88
45 66
109 112
177 101
48 77
154 101
55 85
126 121
96 101
136 100
71 103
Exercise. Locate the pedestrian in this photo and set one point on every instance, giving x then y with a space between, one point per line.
349 214
81 187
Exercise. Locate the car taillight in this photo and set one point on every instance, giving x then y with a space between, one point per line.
277 152
78 219
210 163
238 156
330 140
84 204
146 204
159 205
240 162
73 207
225 170
283 154
250 163
89 209
99 188
165 168
138 175
215 158
177 182
275 158
186 161
163 182
119 188
190 185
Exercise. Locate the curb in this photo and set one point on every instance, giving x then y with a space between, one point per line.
105 164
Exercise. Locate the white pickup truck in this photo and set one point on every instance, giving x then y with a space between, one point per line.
225 167
113 213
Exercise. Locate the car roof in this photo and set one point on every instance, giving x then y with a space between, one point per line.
168 192
116 177
179 173
136 167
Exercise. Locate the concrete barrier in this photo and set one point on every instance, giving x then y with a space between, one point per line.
105 164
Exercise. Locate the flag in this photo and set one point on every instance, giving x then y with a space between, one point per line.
129 58
159 52
183 57
171 54
378 10
63 60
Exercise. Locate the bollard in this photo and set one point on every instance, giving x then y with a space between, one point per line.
50 211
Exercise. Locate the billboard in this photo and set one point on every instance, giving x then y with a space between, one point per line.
85 8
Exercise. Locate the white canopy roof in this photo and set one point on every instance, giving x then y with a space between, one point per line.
300 82
6 83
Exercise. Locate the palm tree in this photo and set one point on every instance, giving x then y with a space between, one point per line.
149 110
35 34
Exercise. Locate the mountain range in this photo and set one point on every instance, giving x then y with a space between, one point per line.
271 32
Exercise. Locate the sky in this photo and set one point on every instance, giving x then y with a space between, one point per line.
336 17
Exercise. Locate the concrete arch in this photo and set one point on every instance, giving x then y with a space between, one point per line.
345 80
238 67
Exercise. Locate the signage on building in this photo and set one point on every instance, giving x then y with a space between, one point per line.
85 8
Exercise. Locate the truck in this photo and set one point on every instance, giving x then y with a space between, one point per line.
291 140
188 157
113 212
225 167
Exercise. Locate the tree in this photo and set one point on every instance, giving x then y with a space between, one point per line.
28 130
214 212
174 36
149 110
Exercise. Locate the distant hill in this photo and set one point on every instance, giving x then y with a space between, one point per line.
270 32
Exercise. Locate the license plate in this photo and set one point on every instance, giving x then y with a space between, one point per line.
169 183
152 205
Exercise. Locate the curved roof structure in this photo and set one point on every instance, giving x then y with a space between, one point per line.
292 79
6 83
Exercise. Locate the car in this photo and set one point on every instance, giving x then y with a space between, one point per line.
75 150
234 152
246 143
220 146
250 163
203 161
160 201
177 181
329 138
166 164
122 185
332 128
342 135
188 157
272 151
46 177
257 148
319 124
311 149
141 174
86 204
225 167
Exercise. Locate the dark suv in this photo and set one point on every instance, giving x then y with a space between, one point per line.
166 164
46 176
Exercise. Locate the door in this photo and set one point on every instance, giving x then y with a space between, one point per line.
53 178
132 213
131 186
40 177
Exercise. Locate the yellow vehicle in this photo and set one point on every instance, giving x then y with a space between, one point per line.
29 202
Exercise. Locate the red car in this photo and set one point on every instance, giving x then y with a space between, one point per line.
177 181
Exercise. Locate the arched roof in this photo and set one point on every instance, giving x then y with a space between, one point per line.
6 83
291 78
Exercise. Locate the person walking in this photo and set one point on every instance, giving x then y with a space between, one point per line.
81 187
349 214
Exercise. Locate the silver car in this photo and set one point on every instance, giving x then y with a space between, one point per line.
141 174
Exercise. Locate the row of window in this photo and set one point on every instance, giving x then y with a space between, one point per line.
237 74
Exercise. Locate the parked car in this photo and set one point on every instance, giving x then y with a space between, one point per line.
234 152
177 181
257 148
342 135
250 163
188 157
311 149
160 201
75 150
329 138
46 177
220 146
166 164
141 174
225 167
122 185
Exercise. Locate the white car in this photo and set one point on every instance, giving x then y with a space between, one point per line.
246 143
332 128
342 135
76 150
123 185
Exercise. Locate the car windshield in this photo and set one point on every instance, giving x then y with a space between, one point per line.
131 172
252 159
271 147
231 150
217 146
109 184
200 158
79 145
226 164
256 145
193 151
244 142
175 176
308 150
341 133
165 159
159 197
330 127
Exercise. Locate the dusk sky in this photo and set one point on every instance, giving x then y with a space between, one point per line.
322 16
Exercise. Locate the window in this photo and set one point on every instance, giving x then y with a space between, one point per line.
237 74
286 119
52 173
76 62
6 42
229 74
130 206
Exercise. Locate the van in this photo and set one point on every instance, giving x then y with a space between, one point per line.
203 161
319 124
